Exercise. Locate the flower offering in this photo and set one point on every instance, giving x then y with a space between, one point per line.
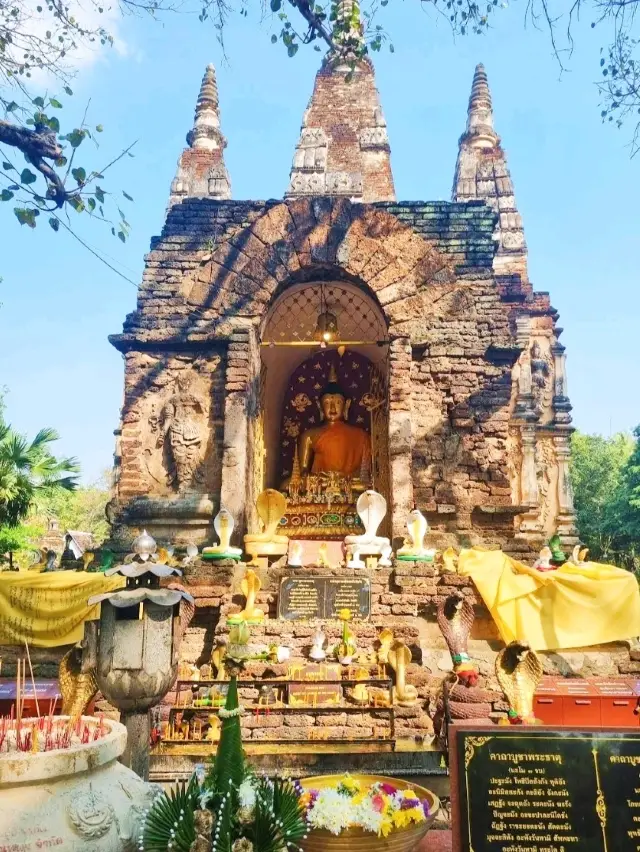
379 807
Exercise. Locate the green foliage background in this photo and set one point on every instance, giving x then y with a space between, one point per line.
605 474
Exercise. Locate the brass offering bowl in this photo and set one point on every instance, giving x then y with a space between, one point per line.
357 839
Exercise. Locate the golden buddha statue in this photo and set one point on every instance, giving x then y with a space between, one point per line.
334 458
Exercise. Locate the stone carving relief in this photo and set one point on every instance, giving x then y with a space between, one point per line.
374 137
542 385
179 428
514 463
344 183
173 421
307 183
90 815
218 181
547 475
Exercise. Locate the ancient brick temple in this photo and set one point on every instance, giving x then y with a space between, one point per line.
450 371
472 420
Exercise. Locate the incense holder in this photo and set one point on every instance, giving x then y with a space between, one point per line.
78 797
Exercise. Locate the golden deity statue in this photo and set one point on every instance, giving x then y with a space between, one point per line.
332 460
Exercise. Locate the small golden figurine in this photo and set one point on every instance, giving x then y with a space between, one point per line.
346 649
385 638
519 670
217 661
271 506
404 693
250 586
77 687
213 731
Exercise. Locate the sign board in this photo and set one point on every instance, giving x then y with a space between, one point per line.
545 789
302 598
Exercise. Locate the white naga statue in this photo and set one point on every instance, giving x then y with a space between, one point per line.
372 507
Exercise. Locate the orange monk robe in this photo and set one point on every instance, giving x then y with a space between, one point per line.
340 447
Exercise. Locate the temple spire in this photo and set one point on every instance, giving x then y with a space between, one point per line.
480 111
482 173
343 148
201 169
206 124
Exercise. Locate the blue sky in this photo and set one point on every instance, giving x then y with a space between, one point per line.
575 185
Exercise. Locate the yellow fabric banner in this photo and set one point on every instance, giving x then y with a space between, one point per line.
49 609
572 607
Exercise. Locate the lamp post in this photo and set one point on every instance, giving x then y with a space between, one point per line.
135 645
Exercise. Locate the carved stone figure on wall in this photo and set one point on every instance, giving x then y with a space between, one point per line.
541 379
180 434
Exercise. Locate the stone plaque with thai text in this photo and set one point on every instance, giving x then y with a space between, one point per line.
302 598
531 789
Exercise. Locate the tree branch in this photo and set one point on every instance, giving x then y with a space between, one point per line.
33 143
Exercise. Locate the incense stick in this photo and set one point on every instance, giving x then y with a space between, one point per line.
33 682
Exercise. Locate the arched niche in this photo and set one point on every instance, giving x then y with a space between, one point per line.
288 341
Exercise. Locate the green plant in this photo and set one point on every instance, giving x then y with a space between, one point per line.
279 822
170 822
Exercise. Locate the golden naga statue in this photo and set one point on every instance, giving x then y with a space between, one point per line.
519 670
250 586
404 694
333 450
76 687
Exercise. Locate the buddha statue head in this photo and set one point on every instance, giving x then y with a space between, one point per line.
334 405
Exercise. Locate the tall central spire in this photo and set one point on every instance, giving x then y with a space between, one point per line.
343 148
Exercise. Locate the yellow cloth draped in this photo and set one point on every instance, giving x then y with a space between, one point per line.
572 607
49 609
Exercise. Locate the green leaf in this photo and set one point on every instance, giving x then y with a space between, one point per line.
39 102
274 39
11 107
99 128
68 90
127 196
26 216
99 194
91 204
79 175
77 203
54 223
122 236
75 138
61 161
27 176
7 166
276 5
55 103
54 124
6 195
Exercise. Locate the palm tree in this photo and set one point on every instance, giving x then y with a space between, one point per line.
29 471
